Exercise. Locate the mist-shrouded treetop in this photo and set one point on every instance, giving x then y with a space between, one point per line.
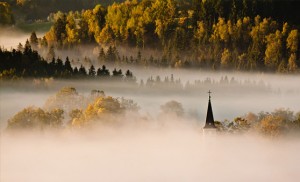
67 99
68 108
36 118
105 110
172 108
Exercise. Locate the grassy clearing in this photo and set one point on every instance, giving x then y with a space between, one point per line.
37 27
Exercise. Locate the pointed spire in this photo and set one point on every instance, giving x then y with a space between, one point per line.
210 123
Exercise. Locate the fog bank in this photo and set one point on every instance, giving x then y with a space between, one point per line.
177 153
228 100
10 38
157 148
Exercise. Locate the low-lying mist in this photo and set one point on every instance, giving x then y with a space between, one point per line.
247 94
87 54
151 146
176 152
11 37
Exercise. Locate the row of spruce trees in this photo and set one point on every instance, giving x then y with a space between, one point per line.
29 64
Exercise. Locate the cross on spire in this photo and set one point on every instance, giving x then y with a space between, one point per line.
209 92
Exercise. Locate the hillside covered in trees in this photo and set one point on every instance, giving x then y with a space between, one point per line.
211 34
229 35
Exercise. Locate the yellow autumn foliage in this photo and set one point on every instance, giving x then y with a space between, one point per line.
293 41
36 118
101 110
272 125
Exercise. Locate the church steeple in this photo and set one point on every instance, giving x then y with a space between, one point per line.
210 122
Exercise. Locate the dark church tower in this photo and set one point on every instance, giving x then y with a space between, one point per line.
210 122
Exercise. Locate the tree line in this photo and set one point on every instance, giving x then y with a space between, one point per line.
272 124
215 34
69 109
27 63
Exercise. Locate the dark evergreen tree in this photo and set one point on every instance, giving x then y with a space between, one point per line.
111 55
92 71
117 73
75 71
27 48
60 29
67 65
51 53
101 57
82 71
103 72
33 40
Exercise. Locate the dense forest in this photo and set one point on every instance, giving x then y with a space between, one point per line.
211 34
229 35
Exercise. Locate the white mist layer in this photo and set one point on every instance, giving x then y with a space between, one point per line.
228 102
11 37
176 153
161 150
